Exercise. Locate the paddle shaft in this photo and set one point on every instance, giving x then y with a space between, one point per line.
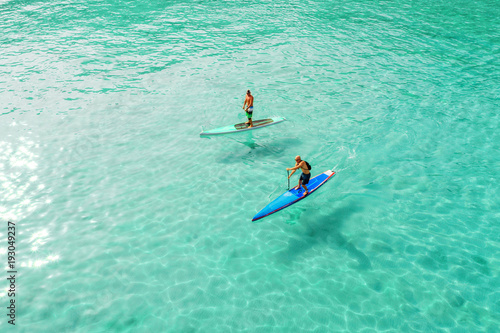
288 173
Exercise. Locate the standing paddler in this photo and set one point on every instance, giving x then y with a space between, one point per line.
305 176
249 108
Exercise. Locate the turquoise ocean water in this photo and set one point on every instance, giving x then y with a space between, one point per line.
128 221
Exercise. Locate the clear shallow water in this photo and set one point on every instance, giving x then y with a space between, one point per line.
129 221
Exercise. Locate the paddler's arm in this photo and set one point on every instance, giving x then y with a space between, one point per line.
294 169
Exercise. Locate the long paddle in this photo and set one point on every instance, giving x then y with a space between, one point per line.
288 173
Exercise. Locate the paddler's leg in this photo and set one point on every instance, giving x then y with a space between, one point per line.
249 116
300 183
305 188
306 181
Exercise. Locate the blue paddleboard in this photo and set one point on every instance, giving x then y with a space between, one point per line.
292 196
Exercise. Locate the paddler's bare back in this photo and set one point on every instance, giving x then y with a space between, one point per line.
249 101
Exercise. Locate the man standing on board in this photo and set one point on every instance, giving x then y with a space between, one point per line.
249 110
305 176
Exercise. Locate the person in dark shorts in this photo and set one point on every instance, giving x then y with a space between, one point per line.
305 176
248 107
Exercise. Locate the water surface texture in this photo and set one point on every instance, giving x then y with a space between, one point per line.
128 221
